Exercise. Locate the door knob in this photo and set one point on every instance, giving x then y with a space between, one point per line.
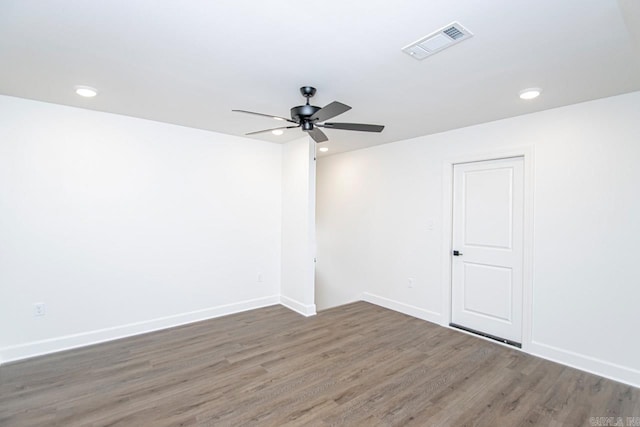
457 253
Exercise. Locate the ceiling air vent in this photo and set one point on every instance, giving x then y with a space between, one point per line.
437 41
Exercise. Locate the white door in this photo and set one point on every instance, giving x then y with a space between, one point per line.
488 208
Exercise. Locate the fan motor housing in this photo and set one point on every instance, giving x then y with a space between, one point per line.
302 112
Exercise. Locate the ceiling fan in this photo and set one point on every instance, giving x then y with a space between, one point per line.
309 118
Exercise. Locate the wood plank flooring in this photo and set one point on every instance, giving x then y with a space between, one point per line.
355 365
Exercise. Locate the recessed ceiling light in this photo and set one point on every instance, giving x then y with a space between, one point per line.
277 132
86 91
530 93
324 149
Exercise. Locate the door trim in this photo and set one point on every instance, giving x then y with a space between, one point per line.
527 153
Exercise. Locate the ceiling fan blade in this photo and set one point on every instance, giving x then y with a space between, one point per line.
318 135
269 130
329 111
353 126
265 115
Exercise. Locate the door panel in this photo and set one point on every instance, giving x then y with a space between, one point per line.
481 280
487 232
488 214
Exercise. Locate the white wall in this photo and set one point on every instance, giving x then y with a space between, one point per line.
121 225
344 204
375 206
298 225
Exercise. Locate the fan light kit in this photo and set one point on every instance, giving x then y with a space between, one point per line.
309 118
86 91
530 93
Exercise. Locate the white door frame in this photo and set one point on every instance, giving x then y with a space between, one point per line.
527 152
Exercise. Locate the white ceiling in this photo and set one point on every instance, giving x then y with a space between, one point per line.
191 62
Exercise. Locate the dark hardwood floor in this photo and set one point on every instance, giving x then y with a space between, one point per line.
354 365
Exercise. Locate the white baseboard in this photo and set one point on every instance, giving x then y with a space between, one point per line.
304 309
410 310
623 374
38 348
586 363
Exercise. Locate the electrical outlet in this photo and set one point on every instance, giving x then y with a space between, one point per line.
430 225
411 282
38 309
260 278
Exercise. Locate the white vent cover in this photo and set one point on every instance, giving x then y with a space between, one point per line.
437 41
